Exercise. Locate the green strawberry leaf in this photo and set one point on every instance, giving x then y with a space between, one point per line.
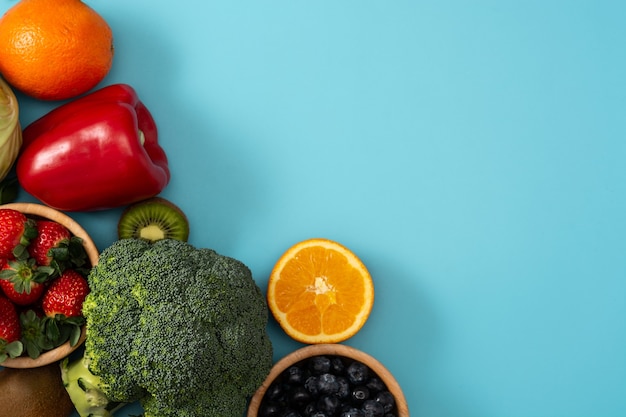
30 231
20 252
12 350
44 274
60 329
77 252
69 254
34 335
61 252
75 335
7 274
52 331
32 349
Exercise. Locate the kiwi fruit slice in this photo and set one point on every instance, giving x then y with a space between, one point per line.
153 219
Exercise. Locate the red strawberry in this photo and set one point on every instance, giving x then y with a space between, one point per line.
10 345
50 234
22 281
16 231
62 304
55 246
65 295
22 298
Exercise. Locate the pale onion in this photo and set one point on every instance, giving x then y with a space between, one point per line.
10 129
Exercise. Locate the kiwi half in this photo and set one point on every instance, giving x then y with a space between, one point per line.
153 219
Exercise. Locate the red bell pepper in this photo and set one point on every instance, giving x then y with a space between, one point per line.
97 152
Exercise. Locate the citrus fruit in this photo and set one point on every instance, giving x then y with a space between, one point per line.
320 292
54 49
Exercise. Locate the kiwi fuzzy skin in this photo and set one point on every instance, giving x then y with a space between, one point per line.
34 392
135 217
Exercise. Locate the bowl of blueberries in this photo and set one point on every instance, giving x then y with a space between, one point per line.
328 380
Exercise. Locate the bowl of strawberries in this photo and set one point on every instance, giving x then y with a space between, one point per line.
45 257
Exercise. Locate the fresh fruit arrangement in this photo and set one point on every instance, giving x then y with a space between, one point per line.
328 386
180 329
328 380
321 294
42 284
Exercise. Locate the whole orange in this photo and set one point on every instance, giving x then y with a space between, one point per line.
54 49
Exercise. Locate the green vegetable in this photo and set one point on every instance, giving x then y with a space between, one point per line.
10 129
181 329
84 390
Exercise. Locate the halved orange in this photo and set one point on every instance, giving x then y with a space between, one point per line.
320 292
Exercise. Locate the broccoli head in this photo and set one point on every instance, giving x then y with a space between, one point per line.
179 328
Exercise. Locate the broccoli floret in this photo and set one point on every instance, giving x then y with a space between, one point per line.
179 328
84 390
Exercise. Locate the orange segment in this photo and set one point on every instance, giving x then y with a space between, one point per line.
320 292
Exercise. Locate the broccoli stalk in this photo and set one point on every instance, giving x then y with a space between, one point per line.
84 390
178 328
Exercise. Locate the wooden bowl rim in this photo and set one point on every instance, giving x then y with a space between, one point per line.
93 254
330 349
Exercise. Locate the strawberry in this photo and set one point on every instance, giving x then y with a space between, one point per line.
22 298
50 234
16 232
55 246
62 304
22 281
10 333
65 295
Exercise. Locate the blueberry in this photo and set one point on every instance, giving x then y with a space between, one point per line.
344 388
319 365
311 384
386 399
309 409
327 384
276 392
360 394
372 408
337 365
294 375
299 396
358 373
269 410
375 384
352 412
328 404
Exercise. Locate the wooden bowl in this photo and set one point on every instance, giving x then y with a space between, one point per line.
41 211
333 349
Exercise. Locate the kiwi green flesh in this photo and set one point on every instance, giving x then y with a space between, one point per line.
153 220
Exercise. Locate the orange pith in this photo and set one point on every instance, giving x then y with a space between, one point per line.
320 292
54 49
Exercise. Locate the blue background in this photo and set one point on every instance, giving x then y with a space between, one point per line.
470 153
